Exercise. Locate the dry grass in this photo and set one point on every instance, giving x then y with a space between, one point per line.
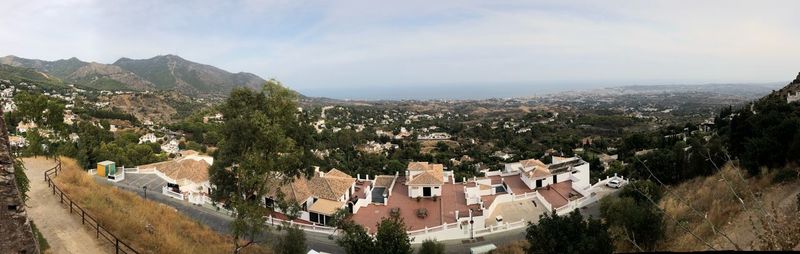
149 226
516 247
712 198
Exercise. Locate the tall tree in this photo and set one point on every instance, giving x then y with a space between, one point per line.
568 234
354 238
258 148
392 237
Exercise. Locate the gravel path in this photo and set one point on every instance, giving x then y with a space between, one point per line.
63 230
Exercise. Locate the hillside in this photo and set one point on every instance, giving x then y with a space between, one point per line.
171 72
29 75
167 72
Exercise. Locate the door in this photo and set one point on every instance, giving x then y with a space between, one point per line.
555 178
539 183
426 191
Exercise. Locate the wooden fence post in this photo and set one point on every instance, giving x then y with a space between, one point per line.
83 217
116 244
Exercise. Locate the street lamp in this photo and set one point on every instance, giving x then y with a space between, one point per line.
471 227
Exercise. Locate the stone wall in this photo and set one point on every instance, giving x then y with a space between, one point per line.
16 235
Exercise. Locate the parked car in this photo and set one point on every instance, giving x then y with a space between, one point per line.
614 183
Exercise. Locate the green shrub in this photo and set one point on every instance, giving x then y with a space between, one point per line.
784 175
43 244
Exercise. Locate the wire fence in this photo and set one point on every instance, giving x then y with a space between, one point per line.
86 219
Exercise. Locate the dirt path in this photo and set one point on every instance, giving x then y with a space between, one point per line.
63 231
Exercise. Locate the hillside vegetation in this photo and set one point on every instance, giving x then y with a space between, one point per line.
149 226
715 200
166 72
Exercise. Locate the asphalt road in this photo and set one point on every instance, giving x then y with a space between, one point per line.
320 241
220 222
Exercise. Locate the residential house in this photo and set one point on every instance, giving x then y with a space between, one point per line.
434 136
24 126
149 137
535 174
17 141
186 174
170 147
424 179
792 97
318 197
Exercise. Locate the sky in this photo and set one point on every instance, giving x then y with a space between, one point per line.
426 49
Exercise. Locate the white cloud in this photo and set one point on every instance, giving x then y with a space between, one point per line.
375 44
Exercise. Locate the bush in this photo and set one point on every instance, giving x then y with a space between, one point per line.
294 242
431 247
568 234
784 175
43 244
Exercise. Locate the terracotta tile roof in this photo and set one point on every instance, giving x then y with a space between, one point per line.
297 190
538 172
532 163
326 207
433 175
418 166
195 170
331 186
337 173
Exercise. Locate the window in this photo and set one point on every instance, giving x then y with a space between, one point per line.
437 187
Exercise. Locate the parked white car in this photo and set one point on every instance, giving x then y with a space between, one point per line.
614 183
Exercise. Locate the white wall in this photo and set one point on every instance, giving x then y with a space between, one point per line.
416 191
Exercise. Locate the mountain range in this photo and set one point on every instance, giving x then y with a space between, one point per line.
164 72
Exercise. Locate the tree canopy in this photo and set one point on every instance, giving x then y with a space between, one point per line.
568 234
259 144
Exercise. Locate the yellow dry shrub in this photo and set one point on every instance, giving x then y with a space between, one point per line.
716 198
149 226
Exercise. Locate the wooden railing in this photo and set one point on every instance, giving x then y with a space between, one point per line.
86 218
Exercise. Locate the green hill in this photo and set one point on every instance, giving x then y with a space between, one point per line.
167 72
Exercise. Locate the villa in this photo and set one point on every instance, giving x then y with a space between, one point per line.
149 137
320 196
425 180
186 176
435 205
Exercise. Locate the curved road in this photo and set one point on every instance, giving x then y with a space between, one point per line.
320 241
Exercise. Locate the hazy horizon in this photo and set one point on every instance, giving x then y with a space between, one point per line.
421 49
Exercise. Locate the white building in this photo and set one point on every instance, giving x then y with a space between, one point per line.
171 147
9 106
434 136
24 126
792 98
18 141
187 175
149 137
425 180
536 174
319 197
74 137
